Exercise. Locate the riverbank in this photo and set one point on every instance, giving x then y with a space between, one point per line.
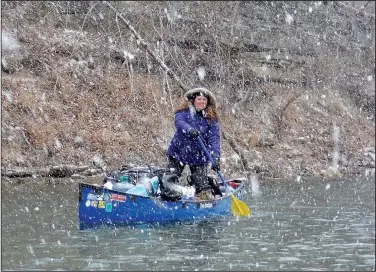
81 94
253 180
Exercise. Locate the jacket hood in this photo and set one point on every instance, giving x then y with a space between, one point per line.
191 94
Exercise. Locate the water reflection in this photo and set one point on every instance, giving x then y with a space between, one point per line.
305 225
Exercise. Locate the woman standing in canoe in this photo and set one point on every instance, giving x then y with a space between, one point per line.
196 117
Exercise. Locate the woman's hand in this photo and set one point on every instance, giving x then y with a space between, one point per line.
193 133
216 167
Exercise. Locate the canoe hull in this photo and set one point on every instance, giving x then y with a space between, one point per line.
100 206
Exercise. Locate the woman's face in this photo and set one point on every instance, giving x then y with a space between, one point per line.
201 102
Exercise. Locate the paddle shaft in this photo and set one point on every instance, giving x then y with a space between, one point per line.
211 159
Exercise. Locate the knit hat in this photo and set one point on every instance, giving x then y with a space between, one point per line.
192 94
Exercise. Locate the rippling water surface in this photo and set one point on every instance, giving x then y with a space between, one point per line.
321 225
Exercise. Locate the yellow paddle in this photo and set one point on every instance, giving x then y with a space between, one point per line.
238 207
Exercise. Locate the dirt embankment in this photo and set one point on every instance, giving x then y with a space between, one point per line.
76 90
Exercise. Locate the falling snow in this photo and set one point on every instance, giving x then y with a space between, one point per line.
289 19
50 116
201 73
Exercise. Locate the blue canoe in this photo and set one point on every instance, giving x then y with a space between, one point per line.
101 206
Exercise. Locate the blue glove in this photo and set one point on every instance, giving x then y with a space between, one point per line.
194 133
216 167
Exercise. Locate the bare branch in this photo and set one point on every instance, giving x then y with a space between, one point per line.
358 10
147 48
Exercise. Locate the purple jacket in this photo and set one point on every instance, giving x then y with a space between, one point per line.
188 150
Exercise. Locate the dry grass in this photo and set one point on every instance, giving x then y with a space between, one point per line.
111 117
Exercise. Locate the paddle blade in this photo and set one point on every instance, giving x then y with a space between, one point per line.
238 207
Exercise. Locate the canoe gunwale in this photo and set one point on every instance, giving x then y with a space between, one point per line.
239 187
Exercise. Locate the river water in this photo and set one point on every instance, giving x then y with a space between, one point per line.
321 225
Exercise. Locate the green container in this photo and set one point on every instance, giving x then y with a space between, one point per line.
124 179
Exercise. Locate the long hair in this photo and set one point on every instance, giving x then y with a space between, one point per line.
211 112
